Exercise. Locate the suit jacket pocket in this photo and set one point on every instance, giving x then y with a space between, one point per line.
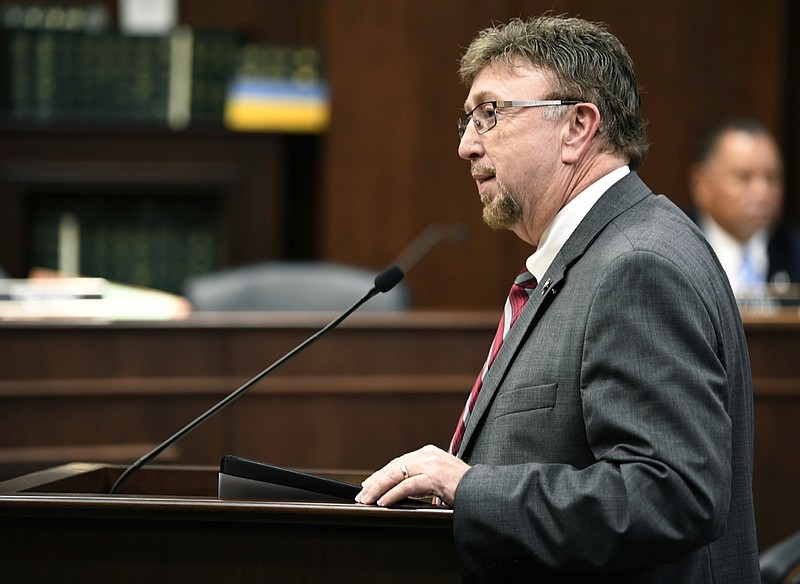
525 399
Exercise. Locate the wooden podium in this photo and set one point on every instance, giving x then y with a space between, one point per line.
59 526
380 385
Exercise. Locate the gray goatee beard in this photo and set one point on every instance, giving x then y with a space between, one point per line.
502 212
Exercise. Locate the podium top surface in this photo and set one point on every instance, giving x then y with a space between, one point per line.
183 492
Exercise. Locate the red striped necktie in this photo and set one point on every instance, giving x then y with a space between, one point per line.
517 297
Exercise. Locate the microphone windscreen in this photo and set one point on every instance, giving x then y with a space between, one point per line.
389 278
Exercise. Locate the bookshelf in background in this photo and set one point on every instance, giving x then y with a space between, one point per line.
59 68
66 64
156 241
80 97
246 195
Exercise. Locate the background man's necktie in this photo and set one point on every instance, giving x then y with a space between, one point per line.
517 297
748 274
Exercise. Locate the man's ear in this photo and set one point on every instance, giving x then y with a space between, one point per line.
582 123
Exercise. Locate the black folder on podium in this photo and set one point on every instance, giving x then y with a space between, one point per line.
240 478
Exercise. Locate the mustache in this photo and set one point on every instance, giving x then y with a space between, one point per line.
478 168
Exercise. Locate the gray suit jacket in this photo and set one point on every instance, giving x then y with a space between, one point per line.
612 439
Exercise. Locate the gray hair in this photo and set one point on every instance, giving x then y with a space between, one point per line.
587 63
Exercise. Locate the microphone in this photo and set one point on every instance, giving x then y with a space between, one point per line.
429 237
385 281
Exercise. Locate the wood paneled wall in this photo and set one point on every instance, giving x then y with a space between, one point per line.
390 160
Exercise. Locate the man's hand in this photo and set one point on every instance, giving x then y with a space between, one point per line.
424 472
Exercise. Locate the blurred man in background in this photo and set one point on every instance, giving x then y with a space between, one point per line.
736 185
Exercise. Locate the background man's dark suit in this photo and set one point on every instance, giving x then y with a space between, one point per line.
783 251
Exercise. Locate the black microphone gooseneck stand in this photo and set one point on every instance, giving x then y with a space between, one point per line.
384 282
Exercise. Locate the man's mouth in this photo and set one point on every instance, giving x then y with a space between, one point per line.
482 177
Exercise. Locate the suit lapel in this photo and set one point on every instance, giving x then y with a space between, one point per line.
620 197
534 308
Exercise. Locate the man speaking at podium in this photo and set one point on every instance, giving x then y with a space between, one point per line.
608 437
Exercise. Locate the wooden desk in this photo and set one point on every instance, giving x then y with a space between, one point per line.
774 344
59 526
379 385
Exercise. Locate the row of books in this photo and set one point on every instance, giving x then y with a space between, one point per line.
88 17
59 75
152 241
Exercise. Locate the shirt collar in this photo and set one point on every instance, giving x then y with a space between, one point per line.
730 250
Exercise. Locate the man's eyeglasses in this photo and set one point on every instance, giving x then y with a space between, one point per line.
484 115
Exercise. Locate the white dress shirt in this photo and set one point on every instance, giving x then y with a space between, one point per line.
733 254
